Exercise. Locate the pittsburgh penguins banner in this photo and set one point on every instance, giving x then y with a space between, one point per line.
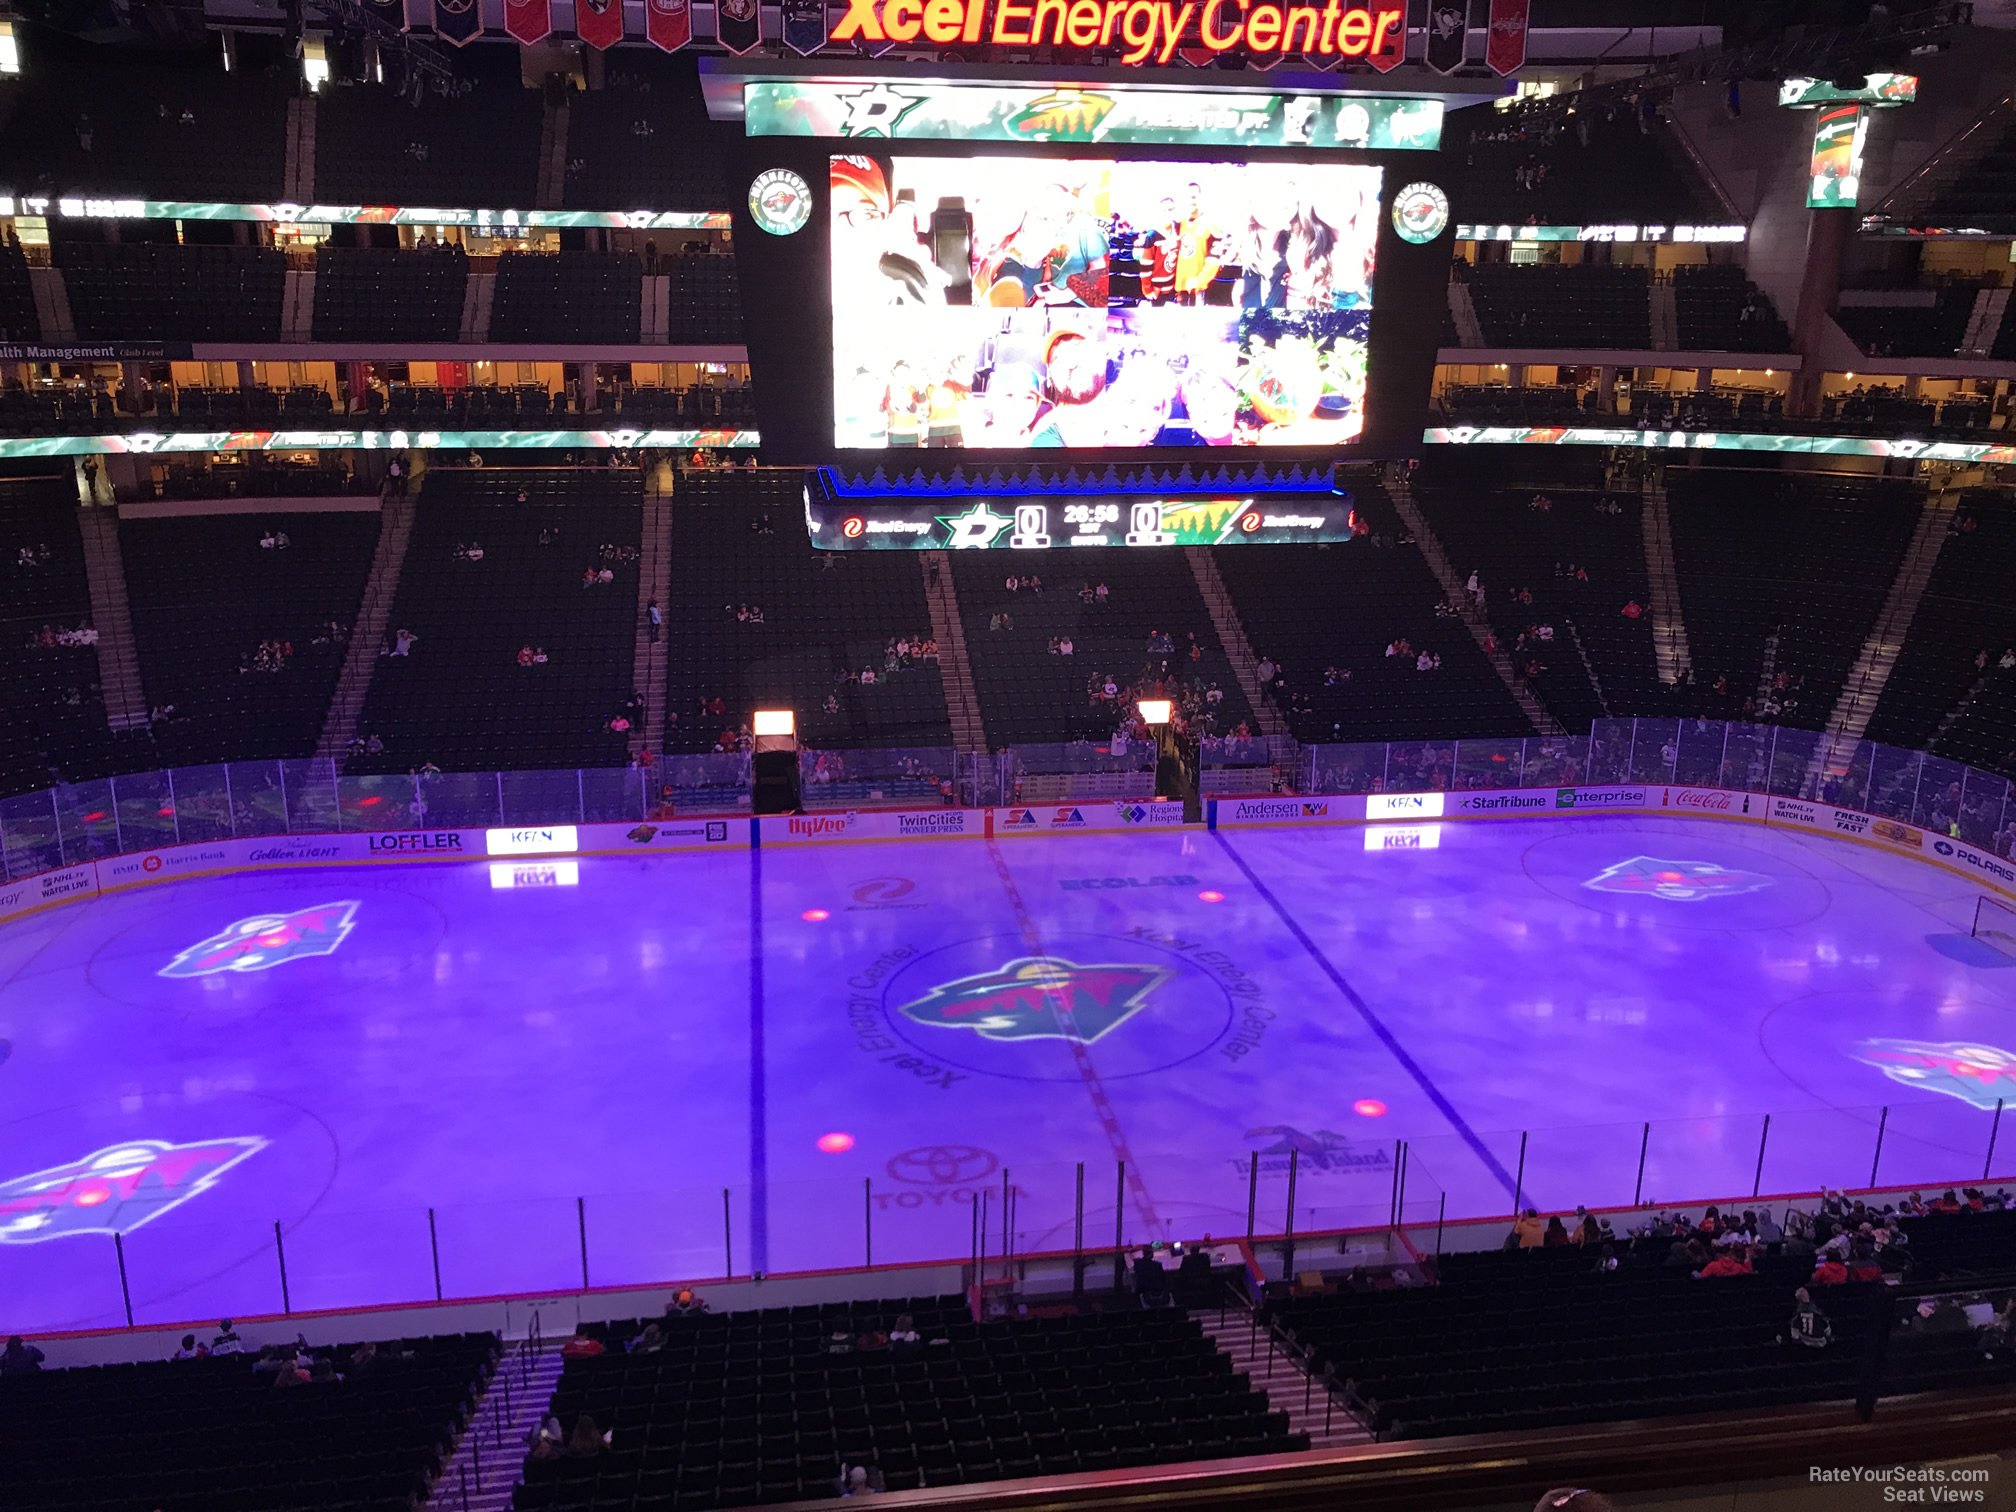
738 25
1392 51
599 23
1505 44
528 21
669 23
804 25
458 21
1448 34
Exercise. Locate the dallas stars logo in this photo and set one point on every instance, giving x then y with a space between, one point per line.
1675 881
976 527
114 1190
1040 997
1977 1074
876 111
267 940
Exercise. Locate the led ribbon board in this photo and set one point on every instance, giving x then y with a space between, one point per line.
938 112
106 207
1023 523
1678 440
1504 232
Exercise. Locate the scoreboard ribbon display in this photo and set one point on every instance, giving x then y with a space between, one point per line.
1021 523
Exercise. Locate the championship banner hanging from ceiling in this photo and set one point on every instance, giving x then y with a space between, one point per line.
804 25
1448 34
738 25
1390 44
391 12
1505 44
528 21
459 22
669 23
599 23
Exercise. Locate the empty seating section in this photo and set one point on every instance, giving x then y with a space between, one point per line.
18 320
646 142
205 595
1529 1339
1967 611
1918 329
1984 196
1558 304
1029 694
102 120
363 293
54 715
1309 610
701 405
1517 548
747 1408
476 148
567 297
1709 305
482 404
702 302
738 540
1783 575
155 291
217 1434
459 698
1601 170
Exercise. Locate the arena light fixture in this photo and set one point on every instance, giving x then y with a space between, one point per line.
10 50
1154 711
774 722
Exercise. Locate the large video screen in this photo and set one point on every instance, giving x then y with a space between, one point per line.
1087 303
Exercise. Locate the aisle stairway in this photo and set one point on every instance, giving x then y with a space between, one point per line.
1255 1353
1669 626
1232 636
962 703
367 635
489 1460
654 581
118 659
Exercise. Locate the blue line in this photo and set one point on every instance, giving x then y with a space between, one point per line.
1407 1062
759 1133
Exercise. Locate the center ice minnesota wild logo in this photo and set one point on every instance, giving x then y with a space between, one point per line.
1676 881
1040 997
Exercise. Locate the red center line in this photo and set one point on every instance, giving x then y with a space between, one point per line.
1081 1053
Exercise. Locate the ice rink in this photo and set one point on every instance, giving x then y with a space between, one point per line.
774 1059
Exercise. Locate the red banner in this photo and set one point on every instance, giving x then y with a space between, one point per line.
599 23
1392 51
528 21
1505 44
669 23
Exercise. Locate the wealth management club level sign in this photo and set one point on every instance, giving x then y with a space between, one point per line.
1140 31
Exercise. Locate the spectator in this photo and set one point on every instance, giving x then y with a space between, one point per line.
1808 1326
190 1350
1574 1499
904 1336
582 1347
1556 1236
587 1439
858 1481
548 1441
402 643
227 1341
1528 1232
539 657
685 1303
1729 1263
650 1341
19 1359
1768 1231
525 655
654 618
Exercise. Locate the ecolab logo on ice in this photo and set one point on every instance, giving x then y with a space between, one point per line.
811 826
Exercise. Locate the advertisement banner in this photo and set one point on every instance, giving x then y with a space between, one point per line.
1319 810
1601 799
1505 42
1723 803
1061 818
528 21
1505 231
872 824
1448 34
288 213
1986 866
1783 445
1404 805
458 22
738 25
846 523
668 23
666 835
1503 801
1111 114
62 885
1797 811
599 23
